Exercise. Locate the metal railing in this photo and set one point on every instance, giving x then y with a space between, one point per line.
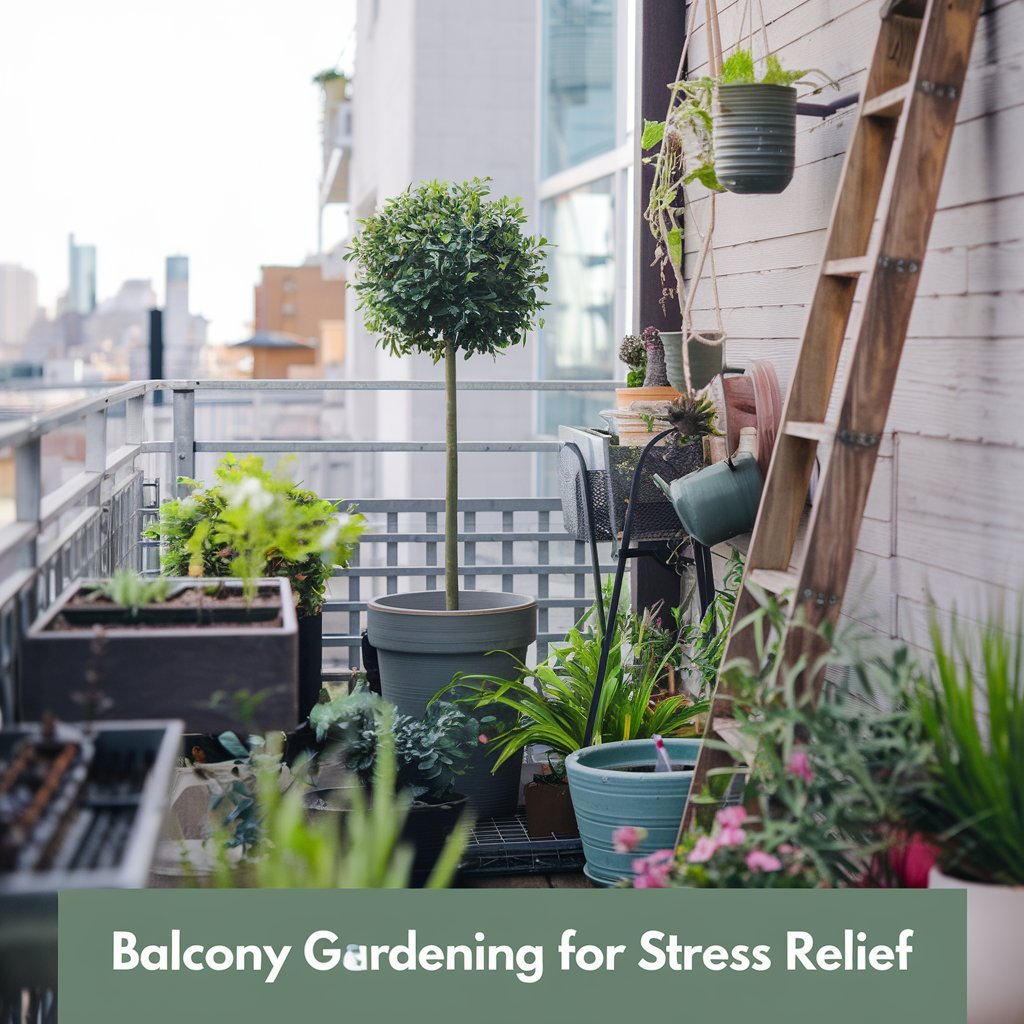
90 523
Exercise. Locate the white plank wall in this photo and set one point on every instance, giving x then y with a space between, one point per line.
944 523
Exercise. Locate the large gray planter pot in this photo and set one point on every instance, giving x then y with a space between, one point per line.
608 792
164 665
755 137
422 647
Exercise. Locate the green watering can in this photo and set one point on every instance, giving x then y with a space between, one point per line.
719 501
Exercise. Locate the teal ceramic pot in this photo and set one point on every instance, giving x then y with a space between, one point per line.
421 647
706 361
719 501
606 795
755 137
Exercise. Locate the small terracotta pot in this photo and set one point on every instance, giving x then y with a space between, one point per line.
549 810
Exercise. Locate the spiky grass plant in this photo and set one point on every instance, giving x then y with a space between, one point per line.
971 707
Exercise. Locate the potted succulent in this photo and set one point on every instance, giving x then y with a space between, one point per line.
551 702
347 734
971 709
137 648
256 522
443 270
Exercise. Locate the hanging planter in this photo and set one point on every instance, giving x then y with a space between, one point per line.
706 355
755 137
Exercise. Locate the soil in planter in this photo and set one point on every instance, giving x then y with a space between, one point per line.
189 606
676 767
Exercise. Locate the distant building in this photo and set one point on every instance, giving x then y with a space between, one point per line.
301 303
19 308
184 333
277 356
81 296
116 336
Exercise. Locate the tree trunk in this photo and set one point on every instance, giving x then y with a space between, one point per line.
451 484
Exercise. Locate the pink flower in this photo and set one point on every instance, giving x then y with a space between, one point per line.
800 765
731 817
482 738
731 836
628 838
652 872
703 850
758 860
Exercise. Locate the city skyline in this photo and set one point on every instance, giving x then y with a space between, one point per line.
207 144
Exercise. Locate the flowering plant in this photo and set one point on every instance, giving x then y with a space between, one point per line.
731 856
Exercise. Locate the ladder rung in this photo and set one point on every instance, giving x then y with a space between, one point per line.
849 267
887 104
809 430
775 581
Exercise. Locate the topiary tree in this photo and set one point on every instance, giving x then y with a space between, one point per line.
442 269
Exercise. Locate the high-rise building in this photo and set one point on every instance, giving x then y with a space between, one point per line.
19 308
81 297
184 333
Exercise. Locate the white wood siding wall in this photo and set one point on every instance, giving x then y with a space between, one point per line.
944 518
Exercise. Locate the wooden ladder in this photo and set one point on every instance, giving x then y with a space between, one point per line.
906 117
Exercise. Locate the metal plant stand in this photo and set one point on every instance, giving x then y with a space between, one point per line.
701 561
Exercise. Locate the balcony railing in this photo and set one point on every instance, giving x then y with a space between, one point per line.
132 442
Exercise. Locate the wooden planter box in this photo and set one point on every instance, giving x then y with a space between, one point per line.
162 668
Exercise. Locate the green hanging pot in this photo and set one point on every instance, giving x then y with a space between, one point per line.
706 361
719 501
755 137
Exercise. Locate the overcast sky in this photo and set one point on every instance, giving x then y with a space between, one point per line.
149 129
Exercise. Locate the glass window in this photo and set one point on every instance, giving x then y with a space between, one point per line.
578 82
577 342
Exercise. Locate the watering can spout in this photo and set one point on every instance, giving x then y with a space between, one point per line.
662 486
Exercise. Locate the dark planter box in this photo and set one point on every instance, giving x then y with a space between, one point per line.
549 810
109 844
170 671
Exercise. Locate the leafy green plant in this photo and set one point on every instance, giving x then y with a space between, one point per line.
131 591
430 753
971 708
286 850
553 699
253 522
704 643
442 269
739 69
685 152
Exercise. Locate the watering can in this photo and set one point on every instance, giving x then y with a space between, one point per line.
719 501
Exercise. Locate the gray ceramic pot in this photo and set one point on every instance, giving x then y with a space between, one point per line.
421 648
755 137
706 361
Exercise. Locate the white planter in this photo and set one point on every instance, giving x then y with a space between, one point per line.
995 940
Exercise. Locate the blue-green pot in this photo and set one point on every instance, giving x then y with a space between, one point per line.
607 796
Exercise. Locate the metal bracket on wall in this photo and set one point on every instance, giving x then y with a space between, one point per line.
827 109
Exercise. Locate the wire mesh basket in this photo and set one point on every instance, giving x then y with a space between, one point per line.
609 470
